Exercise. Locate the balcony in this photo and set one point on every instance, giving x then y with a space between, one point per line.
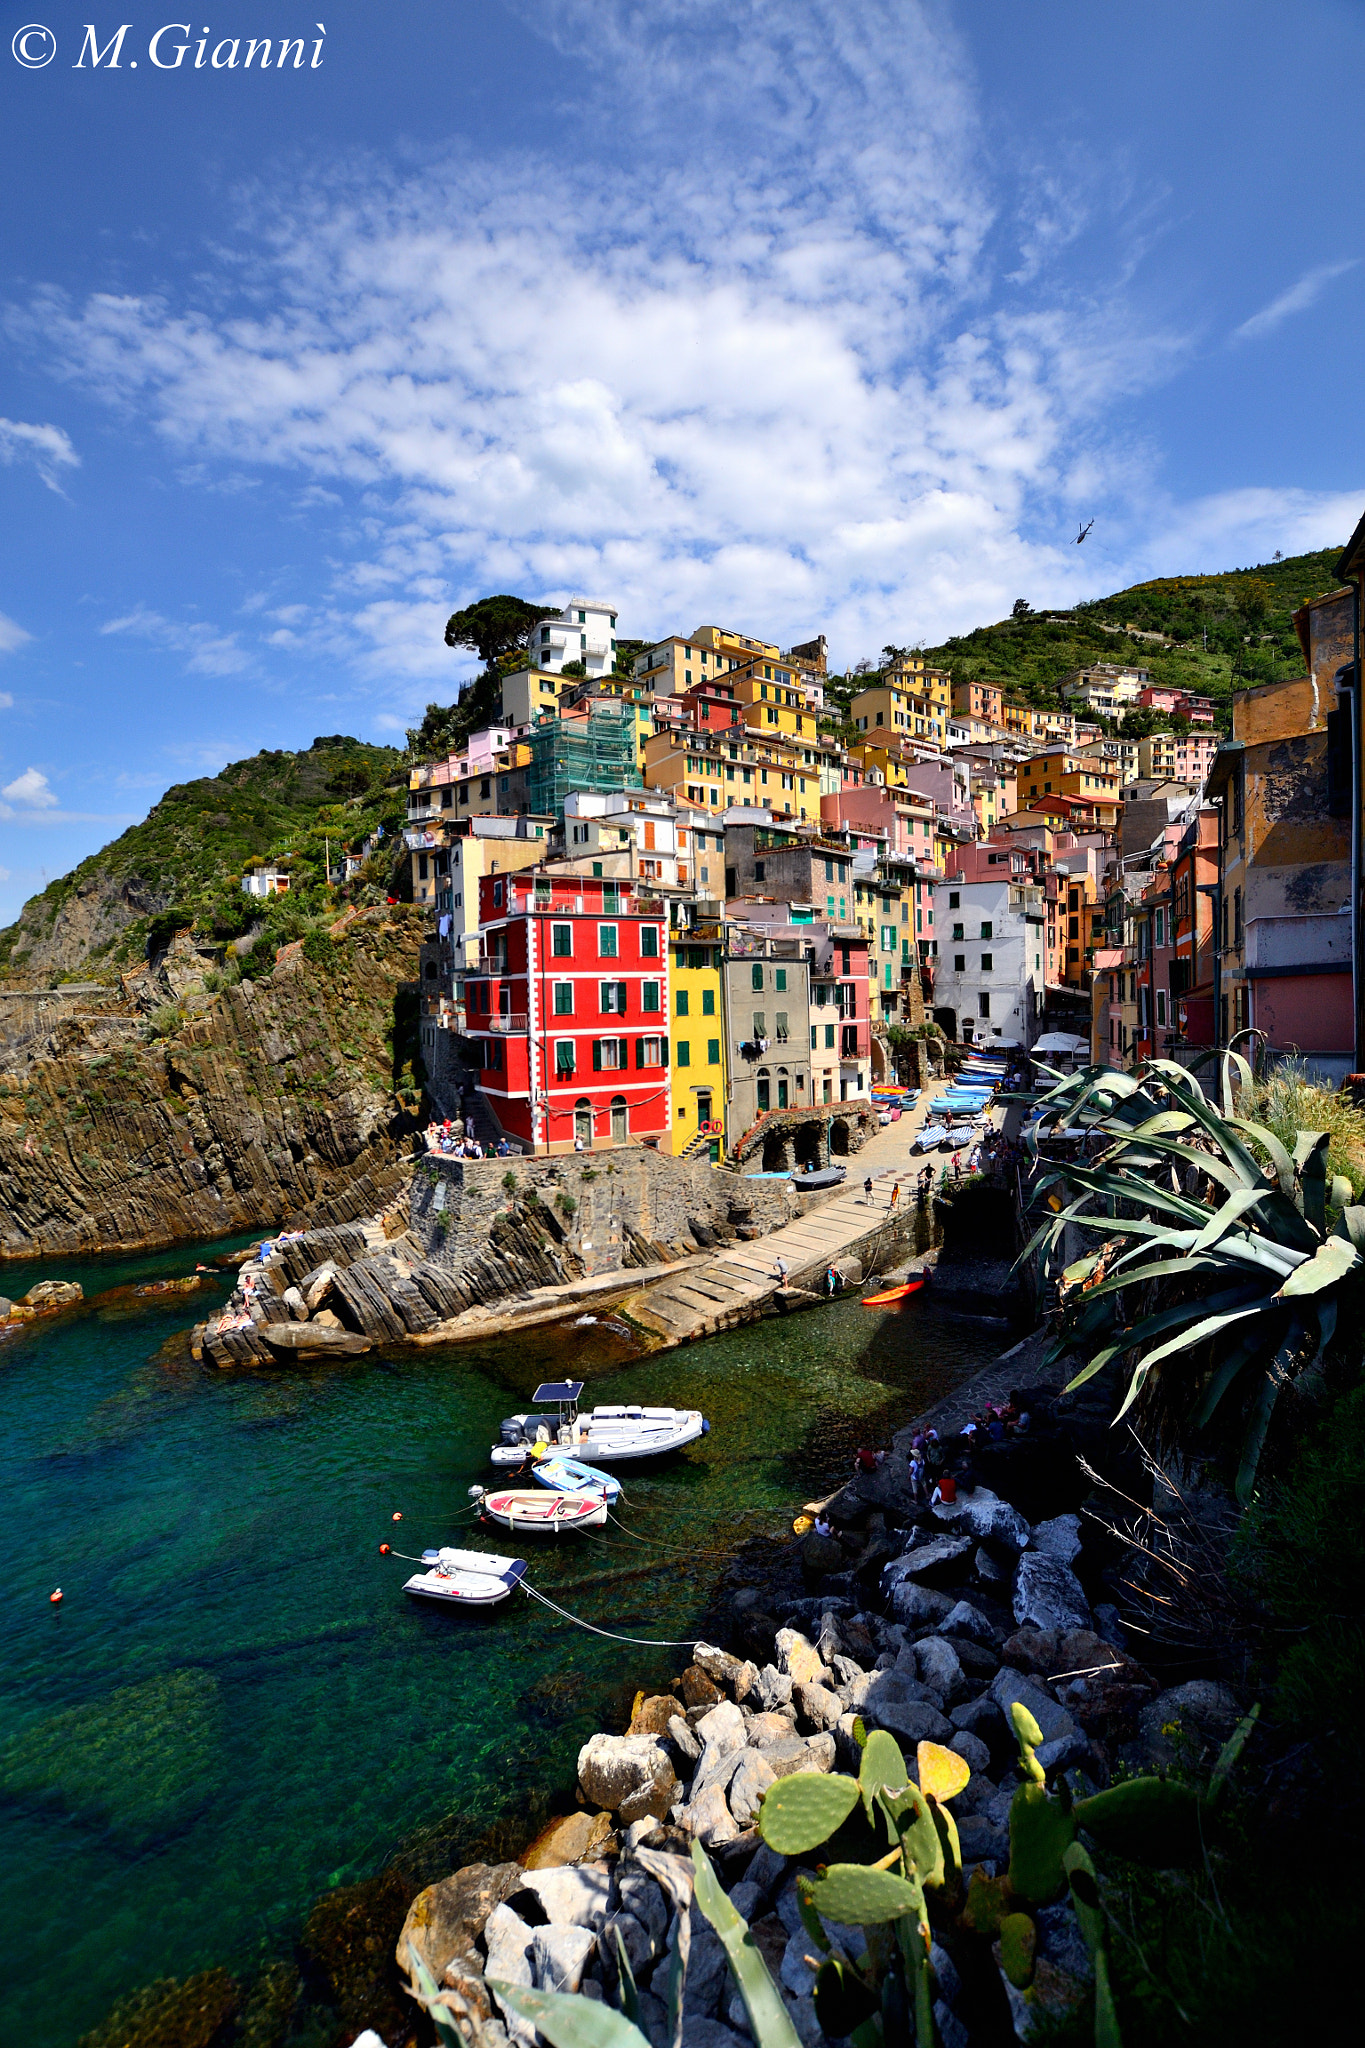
511 1021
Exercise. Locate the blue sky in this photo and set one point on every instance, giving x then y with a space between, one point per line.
822 315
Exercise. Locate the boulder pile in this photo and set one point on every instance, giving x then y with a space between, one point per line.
981 1610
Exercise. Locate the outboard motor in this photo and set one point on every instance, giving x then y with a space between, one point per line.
513 1429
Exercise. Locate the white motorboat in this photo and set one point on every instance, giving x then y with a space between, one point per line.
602 1436
530 1513
465 1578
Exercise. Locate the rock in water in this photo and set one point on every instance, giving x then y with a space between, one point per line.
445 1920
54 1293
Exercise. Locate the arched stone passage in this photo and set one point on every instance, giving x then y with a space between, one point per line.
838 1138
776 1152
809 1145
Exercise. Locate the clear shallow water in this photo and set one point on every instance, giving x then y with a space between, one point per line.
235 1708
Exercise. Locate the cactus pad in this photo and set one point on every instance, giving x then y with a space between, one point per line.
1151 1820
1041 1831
1018 1946
942 1772
858 1896
800 1812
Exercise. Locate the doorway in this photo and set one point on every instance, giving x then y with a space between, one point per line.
582 1125
619 1120
703 1105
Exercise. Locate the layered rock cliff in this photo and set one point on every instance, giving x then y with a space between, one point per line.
272 1101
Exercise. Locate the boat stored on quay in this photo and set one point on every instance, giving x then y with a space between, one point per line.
818 1177
608 1435
465 1578
528 1513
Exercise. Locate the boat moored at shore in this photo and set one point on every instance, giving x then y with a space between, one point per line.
600 1435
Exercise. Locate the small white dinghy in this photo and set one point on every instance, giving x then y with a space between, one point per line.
530 1513
602 1435
465 1578
570 1475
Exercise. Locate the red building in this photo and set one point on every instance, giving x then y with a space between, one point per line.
569 1008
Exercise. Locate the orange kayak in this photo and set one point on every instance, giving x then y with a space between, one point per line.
893 1293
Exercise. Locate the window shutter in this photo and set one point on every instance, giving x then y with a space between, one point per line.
597 1055
621 998
663 1052
639 1052
623 1052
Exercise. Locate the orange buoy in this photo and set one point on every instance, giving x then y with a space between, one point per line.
398 1518
56 1597
383 1550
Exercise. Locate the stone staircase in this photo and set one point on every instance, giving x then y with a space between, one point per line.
726 1290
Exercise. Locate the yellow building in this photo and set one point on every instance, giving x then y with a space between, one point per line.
1075 775
712 770
1028 723
910 700
698 1067
772 707
877 757
678 664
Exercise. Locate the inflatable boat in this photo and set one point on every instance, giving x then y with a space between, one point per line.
465 1578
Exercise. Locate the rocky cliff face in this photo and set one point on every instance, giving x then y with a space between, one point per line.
273 1101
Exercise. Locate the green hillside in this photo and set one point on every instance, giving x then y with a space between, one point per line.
183 864
1211 634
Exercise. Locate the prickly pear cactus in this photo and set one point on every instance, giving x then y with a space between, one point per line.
860 1896
1042 1829
800 1812
1151 1820
1018 1949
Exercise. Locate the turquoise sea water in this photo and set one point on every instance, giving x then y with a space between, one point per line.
235 1708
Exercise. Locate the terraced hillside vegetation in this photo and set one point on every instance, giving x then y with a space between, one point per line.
181 868
1208 634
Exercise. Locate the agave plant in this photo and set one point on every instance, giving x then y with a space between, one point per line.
1216 1274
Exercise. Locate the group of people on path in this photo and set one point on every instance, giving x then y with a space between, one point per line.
457 1141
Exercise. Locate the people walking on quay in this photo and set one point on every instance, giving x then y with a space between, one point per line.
867 1189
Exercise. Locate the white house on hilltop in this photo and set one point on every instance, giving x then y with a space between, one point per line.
584 631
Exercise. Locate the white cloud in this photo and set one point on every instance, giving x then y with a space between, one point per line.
46 447
759 373
1297 299
12 637
207 651
31 788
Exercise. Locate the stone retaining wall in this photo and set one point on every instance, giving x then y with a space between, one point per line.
603 1212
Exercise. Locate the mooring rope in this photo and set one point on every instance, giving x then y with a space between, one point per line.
645 1642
